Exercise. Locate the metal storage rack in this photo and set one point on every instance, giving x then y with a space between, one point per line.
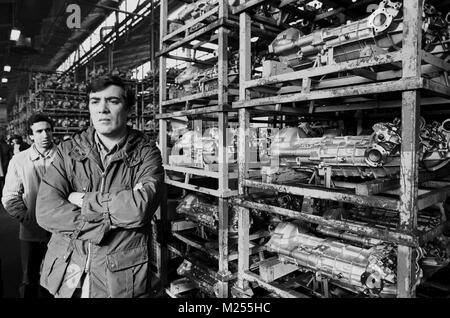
65 105
407 79
211 104
19 117
179 107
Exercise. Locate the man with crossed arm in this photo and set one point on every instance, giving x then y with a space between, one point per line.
97 200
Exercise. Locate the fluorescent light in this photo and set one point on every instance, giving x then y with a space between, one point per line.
15 34
7 68
4 80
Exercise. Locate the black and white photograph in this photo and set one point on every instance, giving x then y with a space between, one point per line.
225 156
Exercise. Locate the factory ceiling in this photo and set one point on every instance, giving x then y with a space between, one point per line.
48 41
45 38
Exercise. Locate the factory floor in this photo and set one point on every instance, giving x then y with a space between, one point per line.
9 256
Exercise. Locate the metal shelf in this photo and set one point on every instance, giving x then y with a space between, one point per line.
208 102
401 72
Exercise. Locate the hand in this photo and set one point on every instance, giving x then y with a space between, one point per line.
76 198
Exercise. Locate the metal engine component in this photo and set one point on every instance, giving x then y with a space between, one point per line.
272 12
184 144
190 77
434 139
196 9
381 32
195 149
445 126
436 255
201 78
386 140
201 277
211 145
369 270
329 231
206 212
375 155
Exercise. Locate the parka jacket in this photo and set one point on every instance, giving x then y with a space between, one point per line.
108 235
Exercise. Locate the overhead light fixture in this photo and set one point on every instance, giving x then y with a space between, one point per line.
4 80
15 34
7 68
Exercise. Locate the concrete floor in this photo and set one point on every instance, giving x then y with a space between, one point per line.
9 255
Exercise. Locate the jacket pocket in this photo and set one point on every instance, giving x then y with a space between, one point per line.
53 271
127 273
54 267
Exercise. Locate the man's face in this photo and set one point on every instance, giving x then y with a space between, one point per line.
108 111
42 134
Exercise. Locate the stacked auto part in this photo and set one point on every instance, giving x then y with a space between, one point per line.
376 155
194 149
200 130
205 211
199 78
380 32
63 99
360 199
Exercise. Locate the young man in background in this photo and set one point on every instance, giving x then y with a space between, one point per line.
25 172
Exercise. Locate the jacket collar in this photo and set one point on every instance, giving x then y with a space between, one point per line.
34 154
101 146
85 146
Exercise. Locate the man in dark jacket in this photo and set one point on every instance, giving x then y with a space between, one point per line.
97 200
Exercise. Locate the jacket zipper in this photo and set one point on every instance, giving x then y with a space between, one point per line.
89 258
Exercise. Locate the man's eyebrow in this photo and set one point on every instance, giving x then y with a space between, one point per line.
108 97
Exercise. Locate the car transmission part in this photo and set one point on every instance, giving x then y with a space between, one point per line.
202 278
370 270
199 78
211 145
375 155
205 211
196 150
381 32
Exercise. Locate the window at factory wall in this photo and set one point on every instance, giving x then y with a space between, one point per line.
140 72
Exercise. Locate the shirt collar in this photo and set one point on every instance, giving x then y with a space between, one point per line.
35 154
101 147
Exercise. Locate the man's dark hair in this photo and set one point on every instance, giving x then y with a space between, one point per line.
100 83
36 118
